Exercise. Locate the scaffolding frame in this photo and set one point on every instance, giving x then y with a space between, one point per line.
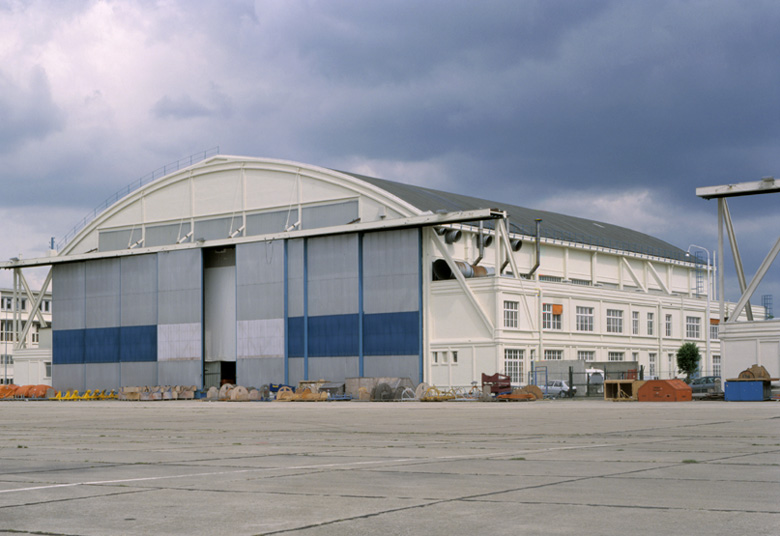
721 193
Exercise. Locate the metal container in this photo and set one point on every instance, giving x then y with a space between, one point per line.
746 390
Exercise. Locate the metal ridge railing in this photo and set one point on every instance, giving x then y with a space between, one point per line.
135 185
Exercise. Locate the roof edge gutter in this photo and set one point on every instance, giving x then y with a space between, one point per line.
424 220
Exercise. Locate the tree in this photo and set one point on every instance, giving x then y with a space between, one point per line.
688 359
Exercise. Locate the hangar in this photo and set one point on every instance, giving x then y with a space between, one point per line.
256 271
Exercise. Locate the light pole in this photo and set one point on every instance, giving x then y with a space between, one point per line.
707 321
3 327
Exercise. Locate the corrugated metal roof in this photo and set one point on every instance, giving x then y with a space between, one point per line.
555 226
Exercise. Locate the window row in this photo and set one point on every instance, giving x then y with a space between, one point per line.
552 315
7 304
7 331
444 358
590 355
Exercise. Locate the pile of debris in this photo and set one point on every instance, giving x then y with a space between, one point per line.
236 393
158 392
27 392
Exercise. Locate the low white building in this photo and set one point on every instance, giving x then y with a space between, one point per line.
11 324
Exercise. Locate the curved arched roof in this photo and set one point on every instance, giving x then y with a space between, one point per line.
402 199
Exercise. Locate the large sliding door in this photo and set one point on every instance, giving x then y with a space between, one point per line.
219 321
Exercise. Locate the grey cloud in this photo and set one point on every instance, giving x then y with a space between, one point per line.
392 42
656 92
182 107
27 113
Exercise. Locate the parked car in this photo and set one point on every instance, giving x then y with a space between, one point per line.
705 384
559 389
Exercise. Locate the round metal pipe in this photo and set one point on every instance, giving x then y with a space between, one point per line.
484 240
452 236
442 271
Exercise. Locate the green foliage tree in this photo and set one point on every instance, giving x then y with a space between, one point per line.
688 358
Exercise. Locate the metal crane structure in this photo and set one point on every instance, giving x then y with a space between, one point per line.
750 341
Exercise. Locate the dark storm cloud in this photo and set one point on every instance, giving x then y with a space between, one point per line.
556 93
370 43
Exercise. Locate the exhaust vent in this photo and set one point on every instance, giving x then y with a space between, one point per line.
442 271
452 236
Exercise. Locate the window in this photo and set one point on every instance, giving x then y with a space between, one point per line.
6 360
635 322
6 304
47 364
584 318
551 316
668 325
550 278
510 314
615 356
46 306
672 368
553 355
635 356
5 331
533 354
444 358
614 321
581 282
586 355
651 367
713 331
716 365
650 323
692 327
513 364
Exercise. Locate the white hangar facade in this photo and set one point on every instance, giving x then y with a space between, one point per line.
262 271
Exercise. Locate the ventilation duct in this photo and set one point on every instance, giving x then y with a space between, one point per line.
484 241
516 244
538 249
452 236
442 271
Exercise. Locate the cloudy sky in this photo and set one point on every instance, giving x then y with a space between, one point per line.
610 110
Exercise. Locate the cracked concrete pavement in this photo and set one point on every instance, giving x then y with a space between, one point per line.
343 468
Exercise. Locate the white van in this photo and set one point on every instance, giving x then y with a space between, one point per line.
595 380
